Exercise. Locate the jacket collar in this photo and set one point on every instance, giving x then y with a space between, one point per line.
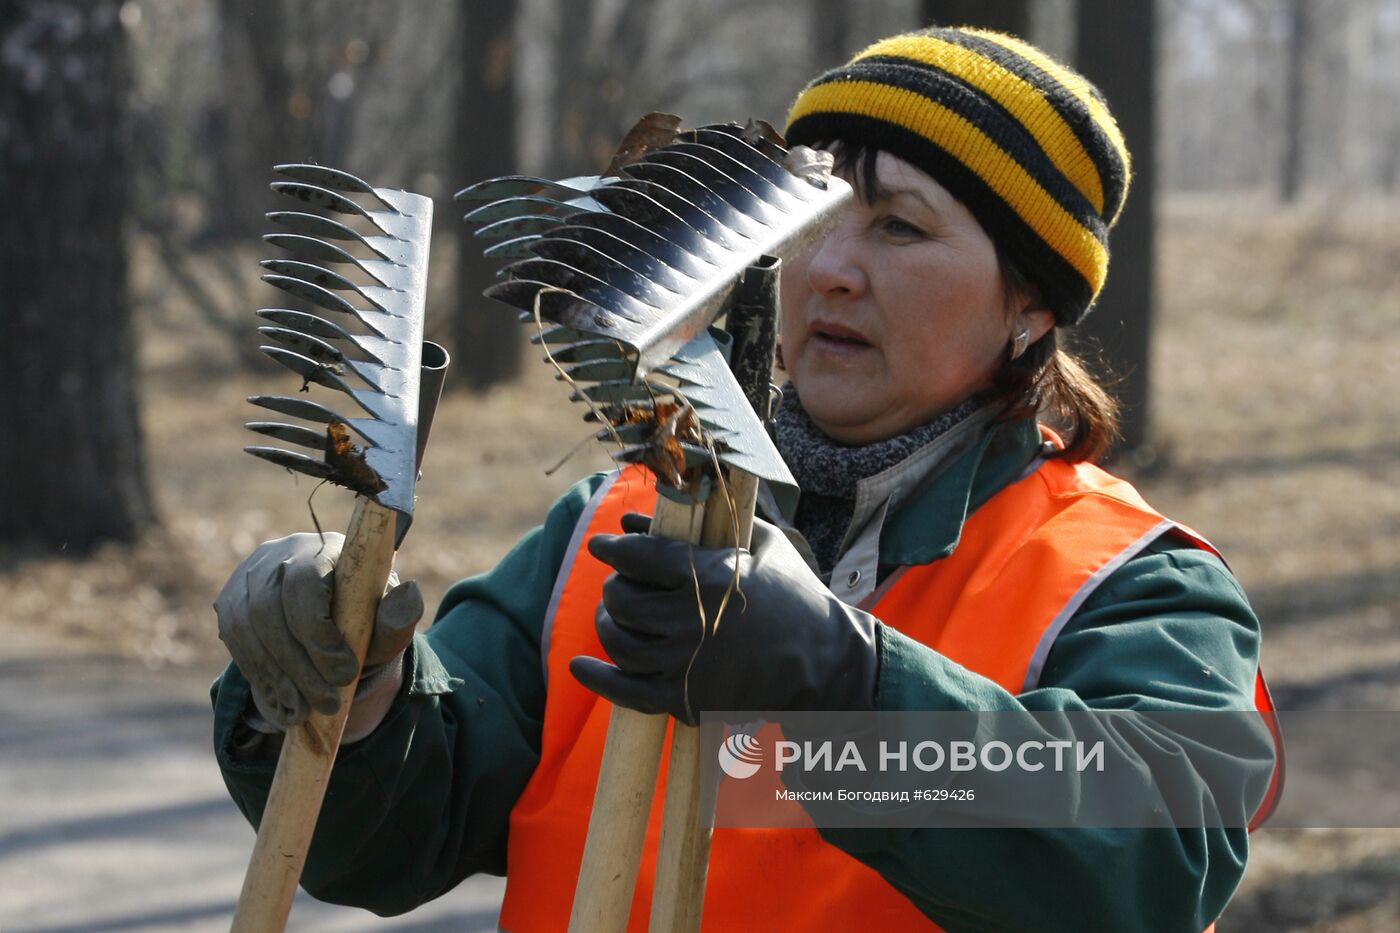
913 512
928 522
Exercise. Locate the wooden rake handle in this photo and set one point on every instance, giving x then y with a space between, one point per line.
622 801
692 774
308 752
626 783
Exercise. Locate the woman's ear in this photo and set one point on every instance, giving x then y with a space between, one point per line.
1032 315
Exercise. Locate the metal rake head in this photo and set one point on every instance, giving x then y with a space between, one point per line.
370 347
695 415
630 271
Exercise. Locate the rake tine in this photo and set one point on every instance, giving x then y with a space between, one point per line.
577 314
713 203
582 316
601 370
584 285
314 225
770 193
316 283
324 177
513 227
291 433
306 323
378 349
753 137
519 207
335 180
639 207
307 272
313 348
371 398
745 190
312 371
705 210
707 176
560 338
295 461
510 186
694 265
627 434
321 197
603 268
747 155
313 293
296 408
517 248
676 208
571 244
620 271
617 392
556 335
320 251
327 299
591 350
310 247
639 453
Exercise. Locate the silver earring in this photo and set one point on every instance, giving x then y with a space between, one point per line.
1020 342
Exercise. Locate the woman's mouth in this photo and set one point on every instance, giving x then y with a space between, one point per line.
838 340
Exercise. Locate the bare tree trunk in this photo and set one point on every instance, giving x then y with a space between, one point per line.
571 138
831 29
1013 16
597 62
1117 51
1299 36
487 344
70 441
255 128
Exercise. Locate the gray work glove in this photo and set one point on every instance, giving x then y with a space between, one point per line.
786 643
275 618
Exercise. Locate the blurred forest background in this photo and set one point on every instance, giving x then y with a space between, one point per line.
1252 317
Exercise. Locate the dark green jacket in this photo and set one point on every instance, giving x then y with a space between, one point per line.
425 800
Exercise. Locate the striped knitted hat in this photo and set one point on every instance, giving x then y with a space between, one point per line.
1024 142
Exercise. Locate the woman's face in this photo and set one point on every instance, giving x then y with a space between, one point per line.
900 313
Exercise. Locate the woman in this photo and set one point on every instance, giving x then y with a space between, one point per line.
947 553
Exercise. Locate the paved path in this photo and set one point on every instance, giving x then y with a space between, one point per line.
113 816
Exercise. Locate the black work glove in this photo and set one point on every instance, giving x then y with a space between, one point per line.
784 641
275 619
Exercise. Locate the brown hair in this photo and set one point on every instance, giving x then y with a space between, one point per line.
1049 380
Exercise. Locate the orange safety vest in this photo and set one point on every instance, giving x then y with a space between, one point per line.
1027 559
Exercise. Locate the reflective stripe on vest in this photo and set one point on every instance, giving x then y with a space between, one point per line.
1027 559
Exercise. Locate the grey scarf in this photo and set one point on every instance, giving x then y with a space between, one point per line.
828 471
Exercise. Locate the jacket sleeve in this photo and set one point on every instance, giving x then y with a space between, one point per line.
425 800
1170 630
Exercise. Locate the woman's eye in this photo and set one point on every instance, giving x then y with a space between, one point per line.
900 228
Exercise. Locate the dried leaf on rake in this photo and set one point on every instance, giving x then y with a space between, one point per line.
348 460
756 131
811 165
651 132
671 424
666 459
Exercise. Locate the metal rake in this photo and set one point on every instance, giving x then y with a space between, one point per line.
369 348
623 278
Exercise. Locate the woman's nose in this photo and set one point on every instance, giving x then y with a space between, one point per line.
834 268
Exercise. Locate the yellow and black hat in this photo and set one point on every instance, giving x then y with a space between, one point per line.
1027 144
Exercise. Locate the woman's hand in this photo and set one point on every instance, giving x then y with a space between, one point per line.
275 618
784 642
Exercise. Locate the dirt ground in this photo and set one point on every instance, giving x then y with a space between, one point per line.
1276 375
